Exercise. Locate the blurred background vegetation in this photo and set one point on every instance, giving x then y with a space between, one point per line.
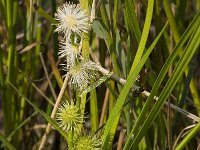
27 38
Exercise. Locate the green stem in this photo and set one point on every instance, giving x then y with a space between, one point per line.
181 66
85 52
115 13
9 108
2 10
94 111
161 46
110 41
70 140
82 104
190 135
111 96
85 36
2 78
176 37
10 41
144 36
38 25
164 70
195 96
131 15
55 35
42 13
171 19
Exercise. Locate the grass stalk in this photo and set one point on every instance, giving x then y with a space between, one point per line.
55 35
9 101
94 116
144 35
142 63
190 50
47 77
104 108
163 73
56 73
2 77
189 136
171 19
58 100
121 99
130 12
6 142
109 41
176 37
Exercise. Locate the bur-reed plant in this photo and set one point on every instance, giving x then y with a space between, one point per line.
99 74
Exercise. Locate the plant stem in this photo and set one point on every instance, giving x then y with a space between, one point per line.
44 137
191 134
94 116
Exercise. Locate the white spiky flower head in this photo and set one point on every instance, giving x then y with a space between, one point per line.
82 74
69 116
70 52
88 142
72 19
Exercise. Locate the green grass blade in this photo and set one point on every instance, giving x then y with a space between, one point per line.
1 69
144 36
9 109
132 19
94 116
171 19
181 66
95 84
161 76
195 96
6 142
44 14
174 26
49 119
55 35
110 39
99 29
122 97
190 135
110 137
21 124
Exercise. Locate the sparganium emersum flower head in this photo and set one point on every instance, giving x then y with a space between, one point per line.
69 52
87 142
82 74
72 19
69 116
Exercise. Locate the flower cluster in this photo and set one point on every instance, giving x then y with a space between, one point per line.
87 142
72 22
70 119
82 74
69 116
72 19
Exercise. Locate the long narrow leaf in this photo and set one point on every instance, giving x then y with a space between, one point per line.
122 97
144 36
49 119
184 60
161 76
6 142
191 134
